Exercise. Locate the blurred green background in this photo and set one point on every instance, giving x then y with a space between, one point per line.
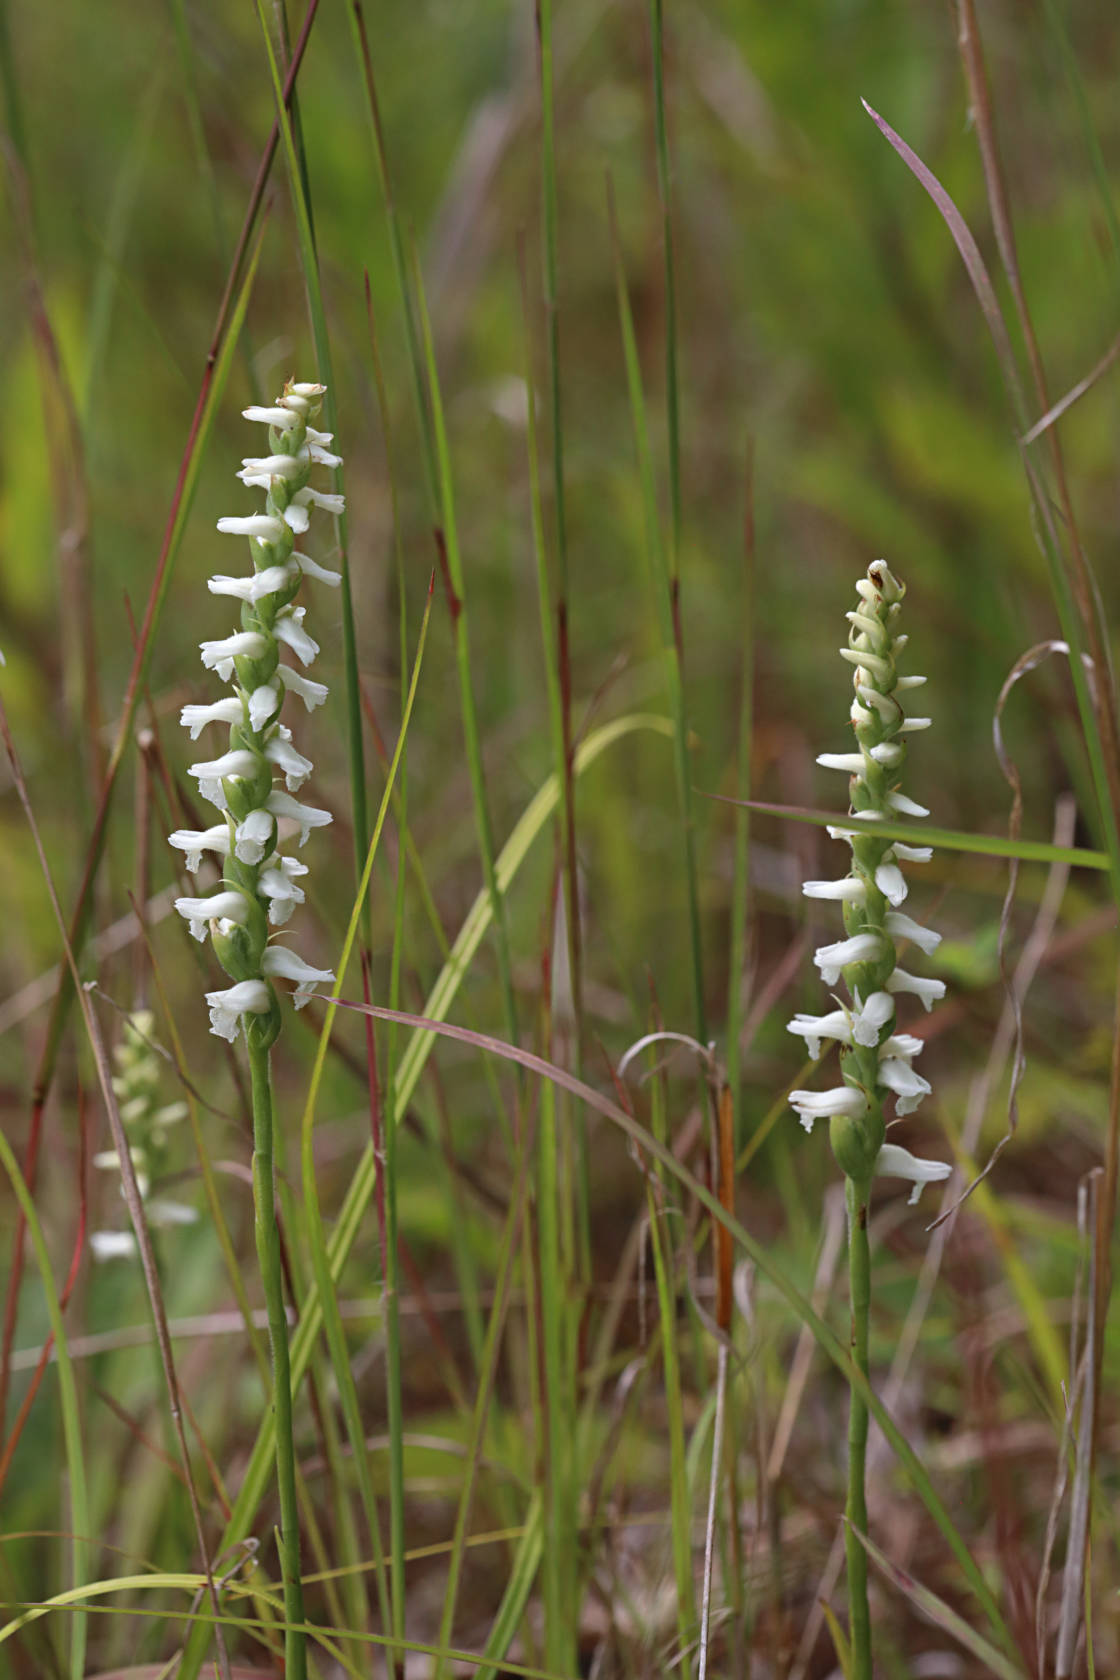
838 393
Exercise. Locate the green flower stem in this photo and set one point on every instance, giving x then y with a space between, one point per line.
268 1255
857 1195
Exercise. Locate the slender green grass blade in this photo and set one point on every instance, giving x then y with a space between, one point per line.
68 1400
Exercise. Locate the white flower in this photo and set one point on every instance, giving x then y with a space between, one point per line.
243 644
307 816
288 627
195 718
905 807
910 725
322 456
196 841
280 963
872 1018
248 997
862 947
112 1245
296 768
877 669
277 885
162 1212
894 1162
902 1044
912 854
311 569
264 526
850 762
891 883
253 588
260 470
239 761
850 890
281 419
813 1028
263 703
904 683
901 926
254 836
821 1105
311 693
887 753
930 991
909 1087
229 906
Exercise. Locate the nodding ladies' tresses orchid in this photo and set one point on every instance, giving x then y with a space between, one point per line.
875 1060
258 885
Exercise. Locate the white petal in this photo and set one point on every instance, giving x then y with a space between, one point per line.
201 911
243 644
893 1162
281 419
912 854
902 1044
901 926
325 499
904 683
254 587
274 466
821 1105
830 959
296 516
248 997
288 627
195 718
905 807
909 1087
887 708
887 753
263 703
851 762
891 882
929 991
238 762
196 841
814 1028
311 693
850 890
161 1212
872 1018
254 836
296 768
264 526
308 389
280 963
307 816
910 726
324 456
868 662
311 569
112 1245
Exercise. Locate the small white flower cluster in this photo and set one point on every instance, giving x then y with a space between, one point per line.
876 1061
260 887
145 1120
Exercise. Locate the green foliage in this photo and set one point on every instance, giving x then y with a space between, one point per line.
509 1454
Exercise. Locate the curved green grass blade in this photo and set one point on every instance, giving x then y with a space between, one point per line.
948 839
